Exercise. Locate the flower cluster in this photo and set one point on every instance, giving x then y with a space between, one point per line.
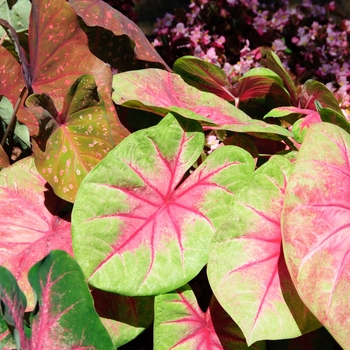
311 40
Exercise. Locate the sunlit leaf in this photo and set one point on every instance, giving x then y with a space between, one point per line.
316 221
134 217
246 267
73 141
161 92
29 222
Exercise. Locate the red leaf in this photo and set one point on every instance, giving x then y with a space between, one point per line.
99 13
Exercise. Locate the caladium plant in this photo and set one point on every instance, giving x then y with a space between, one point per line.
144 195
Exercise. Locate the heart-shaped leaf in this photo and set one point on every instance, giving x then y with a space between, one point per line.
204 76
59 55
161 92
29 225
133 216
63 298
246 253
124 317
99 13
180 324
316 221
72 142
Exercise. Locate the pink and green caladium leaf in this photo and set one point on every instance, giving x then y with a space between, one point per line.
29 223
179 323
72 142
99 13
65 317
316 224
246 267
204 76
162 92
260 82
315 91
274 63
123 317
13 304
134 217
59 55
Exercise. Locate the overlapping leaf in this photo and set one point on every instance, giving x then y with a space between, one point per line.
260 82
72 142
161 92
316 224
59 54
133 218
246 268
204 76
315 91
66 318
29 225
124 317
181 324
274 63
12 83
99 13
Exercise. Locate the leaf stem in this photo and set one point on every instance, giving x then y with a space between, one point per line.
12 123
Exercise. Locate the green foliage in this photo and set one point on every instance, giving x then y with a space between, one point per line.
217 212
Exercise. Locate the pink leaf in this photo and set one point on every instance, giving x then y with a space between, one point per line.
316 227
29 225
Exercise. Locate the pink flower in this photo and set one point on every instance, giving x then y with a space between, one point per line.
279 45
168 19
196 34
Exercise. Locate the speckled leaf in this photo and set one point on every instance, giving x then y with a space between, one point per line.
161 92
65 318
246 253
59 54
315 91
124 317
12 83
29 225
134 217
72 142
181 324
99 13
204 75
316 221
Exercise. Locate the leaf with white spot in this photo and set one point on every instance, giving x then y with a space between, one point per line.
72 142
